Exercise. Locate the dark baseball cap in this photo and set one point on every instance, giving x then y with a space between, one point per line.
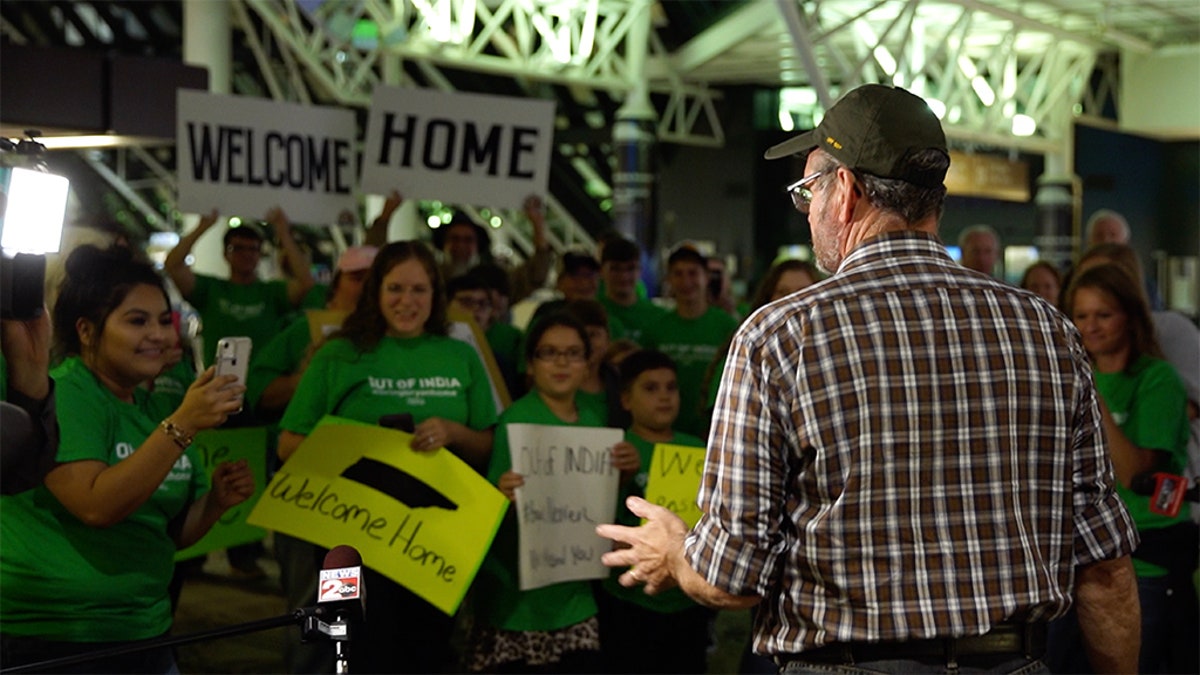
875 129
574 262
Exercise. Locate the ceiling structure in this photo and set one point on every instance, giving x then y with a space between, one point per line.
990 68
1007 75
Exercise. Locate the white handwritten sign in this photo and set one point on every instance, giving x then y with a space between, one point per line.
466 148
243 155
570 488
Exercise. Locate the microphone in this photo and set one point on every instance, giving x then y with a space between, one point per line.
1167 491
340 592
341 603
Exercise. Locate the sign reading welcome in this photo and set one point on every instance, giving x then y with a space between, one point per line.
423 519
243 156
466 148
570 488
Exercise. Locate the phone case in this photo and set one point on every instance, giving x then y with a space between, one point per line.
233 357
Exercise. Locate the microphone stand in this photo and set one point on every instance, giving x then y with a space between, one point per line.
309 618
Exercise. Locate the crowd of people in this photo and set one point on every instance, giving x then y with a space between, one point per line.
904 456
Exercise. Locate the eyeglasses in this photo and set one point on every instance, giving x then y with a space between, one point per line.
571 355
801 192
243 248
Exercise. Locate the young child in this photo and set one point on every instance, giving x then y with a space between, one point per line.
639 633
552 629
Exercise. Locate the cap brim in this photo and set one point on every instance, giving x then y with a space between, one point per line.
793 146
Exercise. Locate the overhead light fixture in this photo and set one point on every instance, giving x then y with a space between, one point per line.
1023 125
95 141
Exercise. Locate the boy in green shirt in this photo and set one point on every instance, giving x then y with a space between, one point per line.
667 632
691 335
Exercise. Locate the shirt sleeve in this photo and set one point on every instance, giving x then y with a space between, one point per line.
311 401
277 359
481 407
501 459
279 297
85 423
738 542
1158 418
200 291
1103 528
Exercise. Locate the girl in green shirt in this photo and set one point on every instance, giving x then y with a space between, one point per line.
552 629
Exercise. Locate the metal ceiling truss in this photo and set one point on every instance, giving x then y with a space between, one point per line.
983 63
575 43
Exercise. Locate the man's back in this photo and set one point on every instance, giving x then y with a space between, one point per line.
917 427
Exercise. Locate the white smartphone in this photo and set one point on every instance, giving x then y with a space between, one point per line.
233 357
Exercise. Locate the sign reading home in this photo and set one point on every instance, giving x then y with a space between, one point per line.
464 148
244 155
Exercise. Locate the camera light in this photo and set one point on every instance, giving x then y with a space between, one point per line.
33 216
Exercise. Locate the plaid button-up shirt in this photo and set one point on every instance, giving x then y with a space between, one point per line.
905 450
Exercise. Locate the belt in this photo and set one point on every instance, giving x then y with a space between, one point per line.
1013 639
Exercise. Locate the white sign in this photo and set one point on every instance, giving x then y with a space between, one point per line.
463 148
243 156
570 488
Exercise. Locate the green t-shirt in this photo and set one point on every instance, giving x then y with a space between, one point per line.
64 580
635 318
173 384
427 376
669 601
505 341
256 310
499 600
1149 404
281 356
692 344
316 297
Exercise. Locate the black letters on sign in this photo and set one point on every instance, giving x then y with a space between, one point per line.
242 156
443 145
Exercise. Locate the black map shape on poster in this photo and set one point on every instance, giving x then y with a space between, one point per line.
398 484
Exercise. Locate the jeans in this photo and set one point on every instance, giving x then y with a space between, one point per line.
1018 665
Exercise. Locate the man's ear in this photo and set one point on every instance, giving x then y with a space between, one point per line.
848 194
625 400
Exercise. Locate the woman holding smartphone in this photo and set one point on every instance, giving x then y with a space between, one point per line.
88 554
391 357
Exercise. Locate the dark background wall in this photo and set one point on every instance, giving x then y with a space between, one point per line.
733 197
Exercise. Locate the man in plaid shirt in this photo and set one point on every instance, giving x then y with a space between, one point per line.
907 469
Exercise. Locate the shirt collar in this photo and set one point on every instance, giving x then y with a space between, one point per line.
893 245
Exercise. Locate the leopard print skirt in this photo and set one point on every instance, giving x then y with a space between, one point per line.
491 647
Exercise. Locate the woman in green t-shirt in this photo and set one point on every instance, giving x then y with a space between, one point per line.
392 357
1143 406
88 555
552 629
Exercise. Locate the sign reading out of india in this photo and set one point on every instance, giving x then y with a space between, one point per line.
570 488
465 148
244 155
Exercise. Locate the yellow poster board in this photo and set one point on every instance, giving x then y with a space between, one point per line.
424 520
674 480
324 322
